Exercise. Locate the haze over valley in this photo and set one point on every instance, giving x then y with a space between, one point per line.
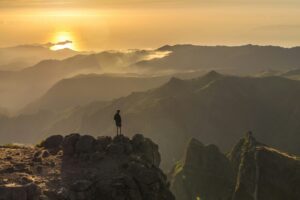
27 84
149 100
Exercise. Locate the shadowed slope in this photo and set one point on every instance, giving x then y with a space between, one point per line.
251 171
214 109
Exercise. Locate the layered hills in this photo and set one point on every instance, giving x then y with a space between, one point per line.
33 69
214 108
93 87
247 59
28 84
22 56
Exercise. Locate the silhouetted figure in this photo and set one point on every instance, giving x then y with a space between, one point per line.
118 121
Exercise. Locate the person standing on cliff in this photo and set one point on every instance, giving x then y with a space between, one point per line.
118 121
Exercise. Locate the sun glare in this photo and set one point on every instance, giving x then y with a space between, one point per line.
63 40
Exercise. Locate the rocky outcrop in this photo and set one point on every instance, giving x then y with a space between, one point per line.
251 171
121 168
52 142
263 172
19 192
84 168
205 173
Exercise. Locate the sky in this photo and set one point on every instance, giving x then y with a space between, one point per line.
130 24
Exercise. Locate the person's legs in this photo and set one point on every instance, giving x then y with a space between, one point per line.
120 130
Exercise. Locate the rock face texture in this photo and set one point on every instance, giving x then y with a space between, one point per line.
263 172
251 171
81 167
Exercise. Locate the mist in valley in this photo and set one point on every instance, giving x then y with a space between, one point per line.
205 94
171 94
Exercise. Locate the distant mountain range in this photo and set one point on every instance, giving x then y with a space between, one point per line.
64 94
39 68
24 86
20 57
94 87
54 96
245 60
214 108
293 74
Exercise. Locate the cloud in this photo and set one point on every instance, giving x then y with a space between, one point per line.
62 43
51 44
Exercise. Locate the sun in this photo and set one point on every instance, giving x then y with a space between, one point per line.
63 40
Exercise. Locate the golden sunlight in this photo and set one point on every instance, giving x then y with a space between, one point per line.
63 40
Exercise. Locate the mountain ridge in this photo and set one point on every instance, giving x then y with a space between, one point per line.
213 110
245 60
249 172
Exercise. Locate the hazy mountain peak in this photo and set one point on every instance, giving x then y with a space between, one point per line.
207 79
195 146
213 74
195 142
175 80
174 83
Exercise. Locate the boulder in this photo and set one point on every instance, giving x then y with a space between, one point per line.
81 190
102 143
81 185
69 144
20 192
52 142
116 149
85 144
147 149
45 154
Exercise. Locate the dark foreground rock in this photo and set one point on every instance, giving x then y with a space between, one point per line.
251 171
83 168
